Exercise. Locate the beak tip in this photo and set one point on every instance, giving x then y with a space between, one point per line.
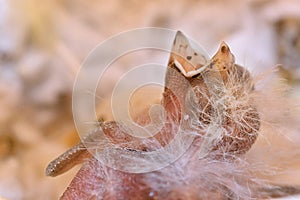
224 48
179 34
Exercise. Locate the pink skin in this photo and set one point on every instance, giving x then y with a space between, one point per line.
96 181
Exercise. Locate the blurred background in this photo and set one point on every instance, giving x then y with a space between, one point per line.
43 43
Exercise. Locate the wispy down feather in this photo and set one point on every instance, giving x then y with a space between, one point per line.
216 103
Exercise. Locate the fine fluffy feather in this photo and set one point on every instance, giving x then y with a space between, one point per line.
218 107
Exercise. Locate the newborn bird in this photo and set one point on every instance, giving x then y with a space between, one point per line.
210 100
